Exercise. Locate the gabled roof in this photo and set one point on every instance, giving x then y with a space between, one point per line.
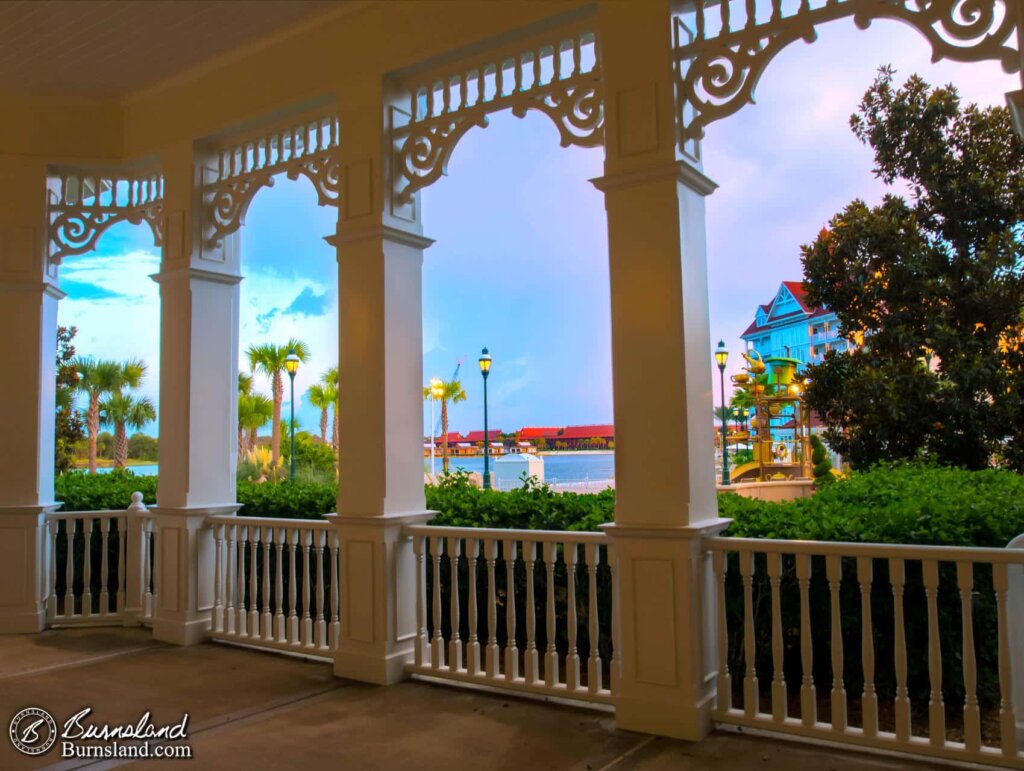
538 432
799 293
588 432
478 436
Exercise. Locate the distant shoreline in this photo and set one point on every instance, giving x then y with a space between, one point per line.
576 452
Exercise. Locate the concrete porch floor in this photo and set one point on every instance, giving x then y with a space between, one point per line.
259 710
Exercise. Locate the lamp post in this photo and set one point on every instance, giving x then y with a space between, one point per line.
721 356
436 392
291 363
485 370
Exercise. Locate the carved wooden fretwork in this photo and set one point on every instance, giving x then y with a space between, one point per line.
723 48
306 146
82 205
558 74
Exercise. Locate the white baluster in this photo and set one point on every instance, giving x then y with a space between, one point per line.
750 693
122 565
217 618
87 528
321 621
869 699
551 654
268 619
254 608
418 547
808 703
335 591
280 633
511 650
307 561
531 658
572 661
473 646
901 706
148 558
936 707
69 568
972 715
51 598
491 655
455 642
243 616
616 620
293 587
1007 721
834 573
231 586
104 567
594 674
723 680
774 567
437 641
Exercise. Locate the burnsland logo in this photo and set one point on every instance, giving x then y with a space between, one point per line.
33 731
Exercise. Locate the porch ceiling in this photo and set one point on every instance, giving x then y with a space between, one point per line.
106 49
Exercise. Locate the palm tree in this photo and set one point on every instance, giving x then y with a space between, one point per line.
742 400
330 380
123 411
98 379
254 410
270 360
451 391
322 397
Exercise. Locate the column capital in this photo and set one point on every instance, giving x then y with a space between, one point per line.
682 171
385 232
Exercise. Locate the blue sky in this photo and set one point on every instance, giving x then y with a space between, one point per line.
520 260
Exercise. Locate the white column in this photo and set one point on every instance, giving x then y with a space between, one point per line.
661 363
1015 622
28 346
380 368
199 306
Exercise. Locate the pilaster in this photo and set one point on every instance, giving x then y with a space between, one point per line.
28 318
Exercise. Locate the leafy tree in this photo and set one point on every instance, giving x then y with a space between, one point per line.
451 391
70 428
821 466
309 455
97 379
123 411
930 290
269 359
105 445
143 447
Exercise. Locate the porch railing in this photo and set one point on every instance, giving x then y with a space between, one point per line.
100 566
276 584
904 648
479 596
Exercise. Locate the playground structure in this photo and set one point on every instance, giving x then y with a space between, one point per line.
777 391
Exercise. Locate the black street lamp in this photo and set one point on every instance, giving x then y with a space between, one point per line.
485 370
722 356
291 363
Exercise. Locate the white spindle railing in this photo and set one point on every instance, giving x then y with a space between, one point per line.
276 584
100 566
872 599
458 570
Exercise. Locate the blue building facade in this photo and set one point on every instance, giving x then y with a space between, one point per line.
790 326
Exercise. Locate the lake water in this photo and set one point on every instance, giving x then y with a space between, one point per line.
563 467
560 468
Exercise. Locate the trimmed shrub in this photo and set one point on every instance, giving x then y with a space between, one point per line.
90 492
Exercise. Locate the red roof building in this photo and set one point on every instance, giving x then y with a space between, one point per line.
493 435
536 432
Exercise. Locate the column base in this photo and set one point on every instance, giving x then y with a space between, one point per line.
24 568
175 632
374 667
670 719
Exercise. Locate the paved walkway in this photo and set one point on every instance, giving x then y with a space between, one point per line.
257 710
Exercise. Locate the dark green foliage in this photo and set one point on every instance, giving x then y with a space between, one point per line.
821 463
309 454
69 424
91 492
288 500
933 287
142 447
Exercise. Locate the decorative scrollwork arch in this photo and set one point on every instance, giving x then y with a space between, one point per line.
83 205
721 58
558 74
306 147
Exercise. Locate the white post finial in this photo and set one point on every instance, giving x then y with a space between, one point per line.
137 504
